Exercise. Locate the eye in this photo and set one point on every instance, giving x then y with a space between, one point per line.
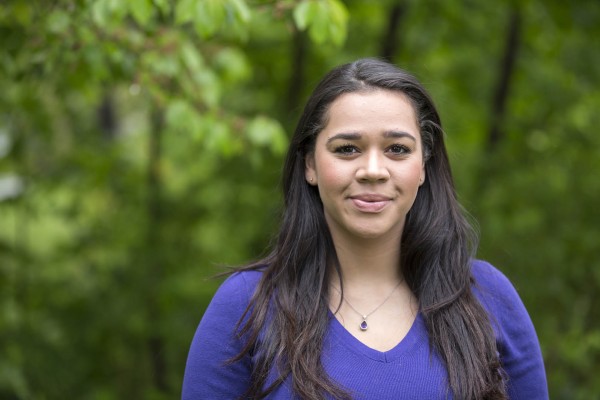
346 149
398 149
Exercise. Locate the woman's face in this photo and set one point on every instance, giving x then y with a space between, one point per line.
368 164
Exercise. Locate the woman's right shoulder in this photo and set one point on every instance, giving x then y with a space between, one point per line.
238 287
209 372
230 302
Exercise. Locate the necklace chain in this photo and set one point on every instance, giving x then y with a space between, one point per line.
363 325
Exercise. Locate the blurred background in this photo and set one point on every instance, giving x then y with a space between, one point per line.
141 145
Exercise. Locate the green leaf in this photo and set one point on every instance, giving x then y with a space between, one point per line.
319 27
181 117
304 13
209 16
100 11
326 20
218 136
185 10
58 22
164 6
241 11
232 65
264 131
339 21
161 65
109 12
141 10
22 12
210 87
191 57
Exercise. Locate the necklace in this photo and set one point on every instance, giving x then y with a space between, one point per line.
364 325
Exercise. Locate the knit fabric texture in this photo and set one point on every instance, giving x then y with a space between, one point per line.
408 371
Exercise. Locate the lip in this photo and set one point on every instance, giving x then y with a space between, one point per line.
370 203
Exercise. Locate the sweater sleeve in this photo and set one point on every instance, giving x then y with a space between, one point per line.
518 344
208 375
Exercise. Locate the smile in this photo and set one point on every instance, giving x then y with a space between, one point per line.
370 203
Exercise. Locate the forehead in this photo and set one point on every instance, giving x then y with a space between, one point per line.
371 111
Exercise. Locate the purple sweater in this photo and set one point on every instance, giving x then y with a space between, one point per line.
408 371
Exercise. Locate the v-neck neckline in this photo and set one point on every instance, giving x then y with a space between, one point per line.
414 335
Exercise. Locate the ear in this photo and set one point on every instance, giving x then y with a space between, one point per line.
310 172
423 175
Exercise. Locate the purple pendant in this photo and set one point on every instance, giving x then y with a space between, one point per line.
363 325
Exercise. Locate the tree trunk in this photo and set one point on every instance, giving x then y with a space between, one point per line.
154 265
107 121
390 42
296 79
507 67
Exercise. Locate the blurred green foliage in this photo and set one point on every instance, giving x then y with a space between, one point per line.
141 143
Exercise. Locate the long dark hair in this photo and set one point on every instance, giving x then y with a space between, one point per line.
284 325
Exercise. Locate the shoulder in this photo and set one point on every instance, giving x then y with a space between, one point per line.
238 287
488 276
492 287
498 295
230 303
516 338
209 372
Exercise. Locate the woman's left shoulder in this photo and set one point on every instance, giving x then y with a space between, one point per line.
486 275
501 300
491 285
516 338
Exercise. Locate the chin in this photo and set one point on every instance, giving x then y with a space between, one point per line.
370 233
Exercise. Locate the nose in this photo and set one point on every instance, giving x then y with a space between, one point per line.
373 168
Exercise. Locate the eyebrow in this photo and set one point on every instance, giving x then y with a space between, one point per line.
352 136
345 136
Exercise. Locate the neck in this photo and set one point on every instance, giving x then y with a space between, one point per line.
368 262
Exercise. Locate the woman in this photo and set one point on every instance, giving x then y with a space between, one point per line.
371 290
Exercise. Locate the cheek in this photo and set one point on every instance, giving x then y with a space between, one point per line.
331 173
331 183
412 174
